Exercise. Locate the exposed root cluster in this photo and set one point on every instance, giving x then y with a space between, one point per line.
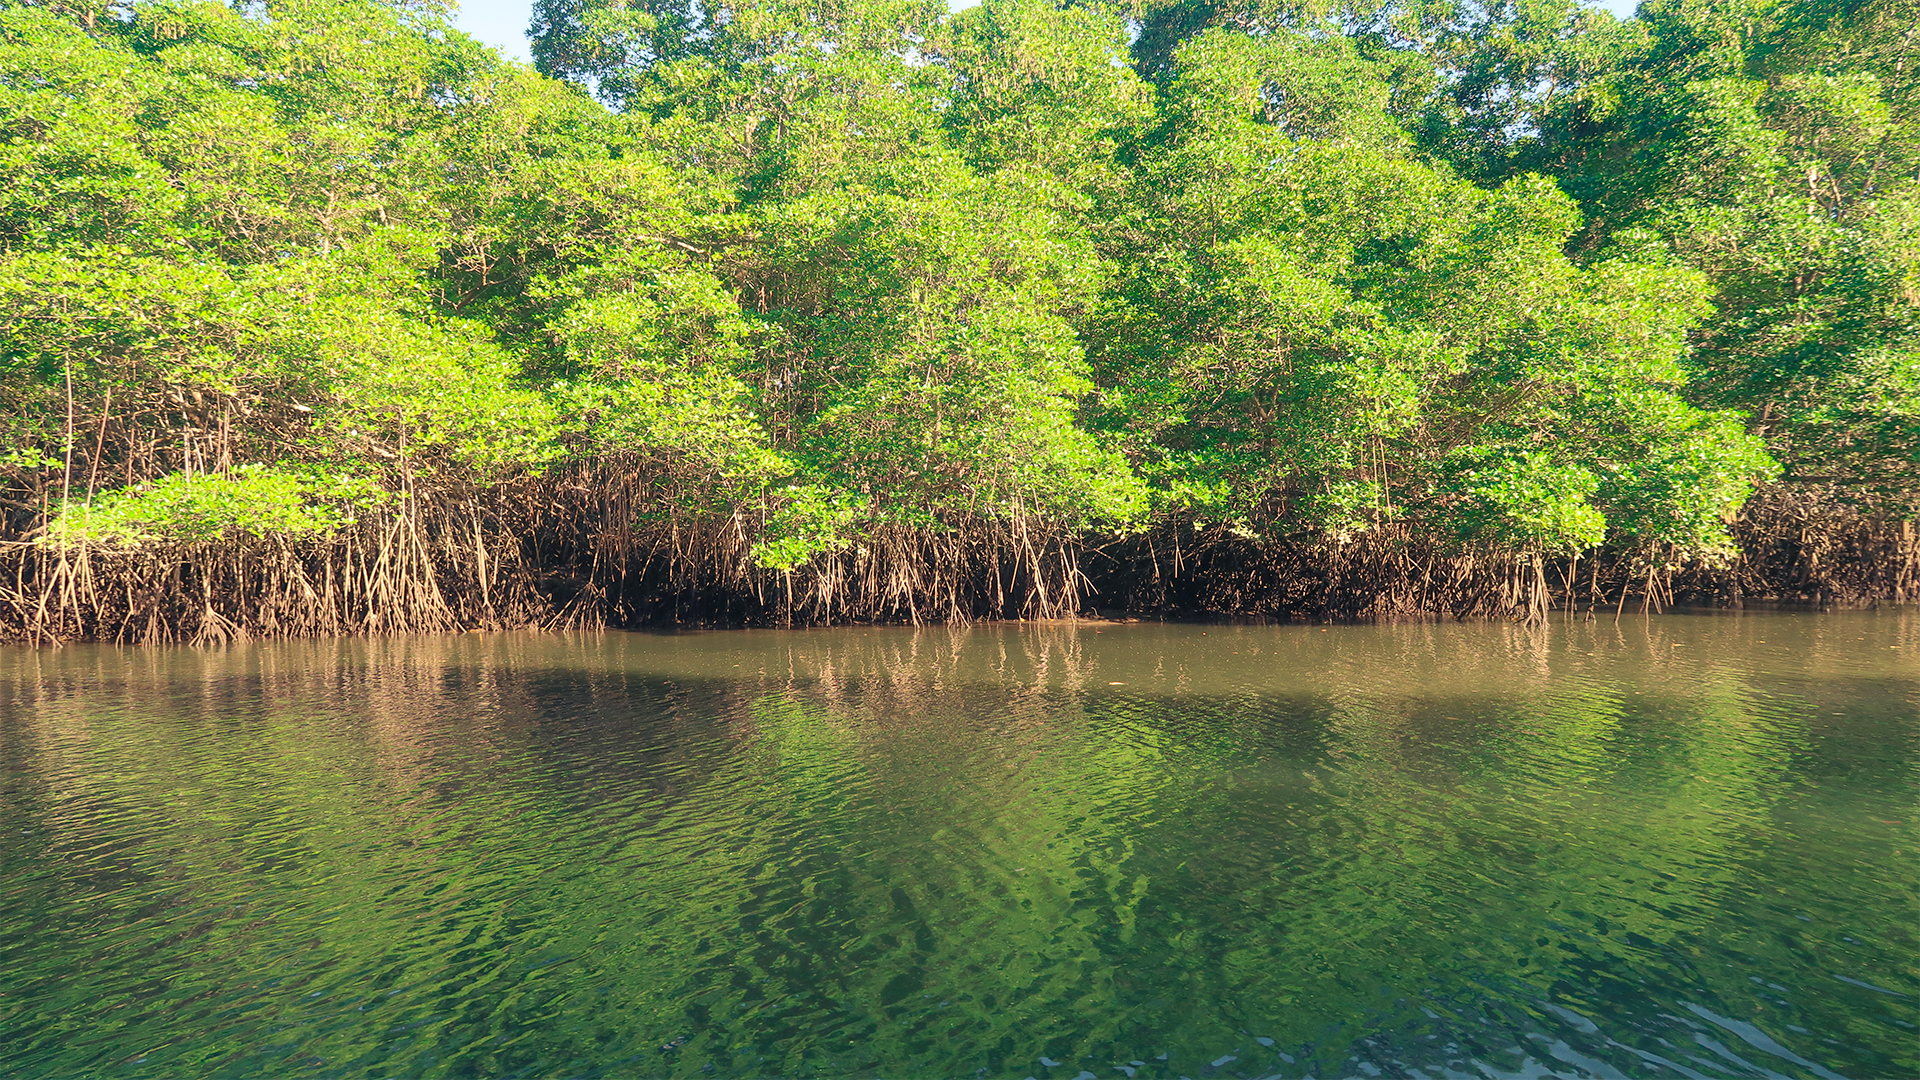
566 552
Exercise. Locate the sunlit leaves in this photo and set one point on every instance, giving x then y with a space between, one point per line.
836 268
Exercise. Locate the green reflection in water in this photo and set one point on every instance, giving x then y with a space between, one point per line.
1677 846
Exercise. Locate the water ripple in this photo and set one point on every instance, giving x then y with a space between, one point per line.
1681 845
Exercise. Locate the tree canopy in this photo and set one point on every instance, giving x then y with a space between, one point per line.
1513 274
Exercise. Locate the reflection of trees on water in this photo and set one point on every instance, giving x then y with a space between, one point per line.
831 849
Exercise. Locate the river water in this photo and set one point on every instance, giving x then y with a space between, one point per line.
1676 846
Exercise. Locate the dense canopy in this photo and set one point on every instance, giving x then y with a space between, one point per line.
899 308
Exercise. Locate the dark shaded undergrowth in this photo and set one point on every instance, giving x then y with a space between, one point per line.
541 556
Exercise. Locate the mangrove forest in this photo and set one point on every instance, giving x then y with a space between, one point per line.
321 317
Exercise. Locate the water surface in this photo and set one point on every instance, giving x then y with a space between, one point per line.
1678 846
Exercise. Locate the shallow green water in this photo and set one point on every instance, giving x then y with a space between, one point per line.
1683 846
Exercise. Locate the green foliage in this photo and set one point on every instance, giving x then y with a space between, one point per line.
1531 496
1776 149
810 521
1322 332
251 500
1516 275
